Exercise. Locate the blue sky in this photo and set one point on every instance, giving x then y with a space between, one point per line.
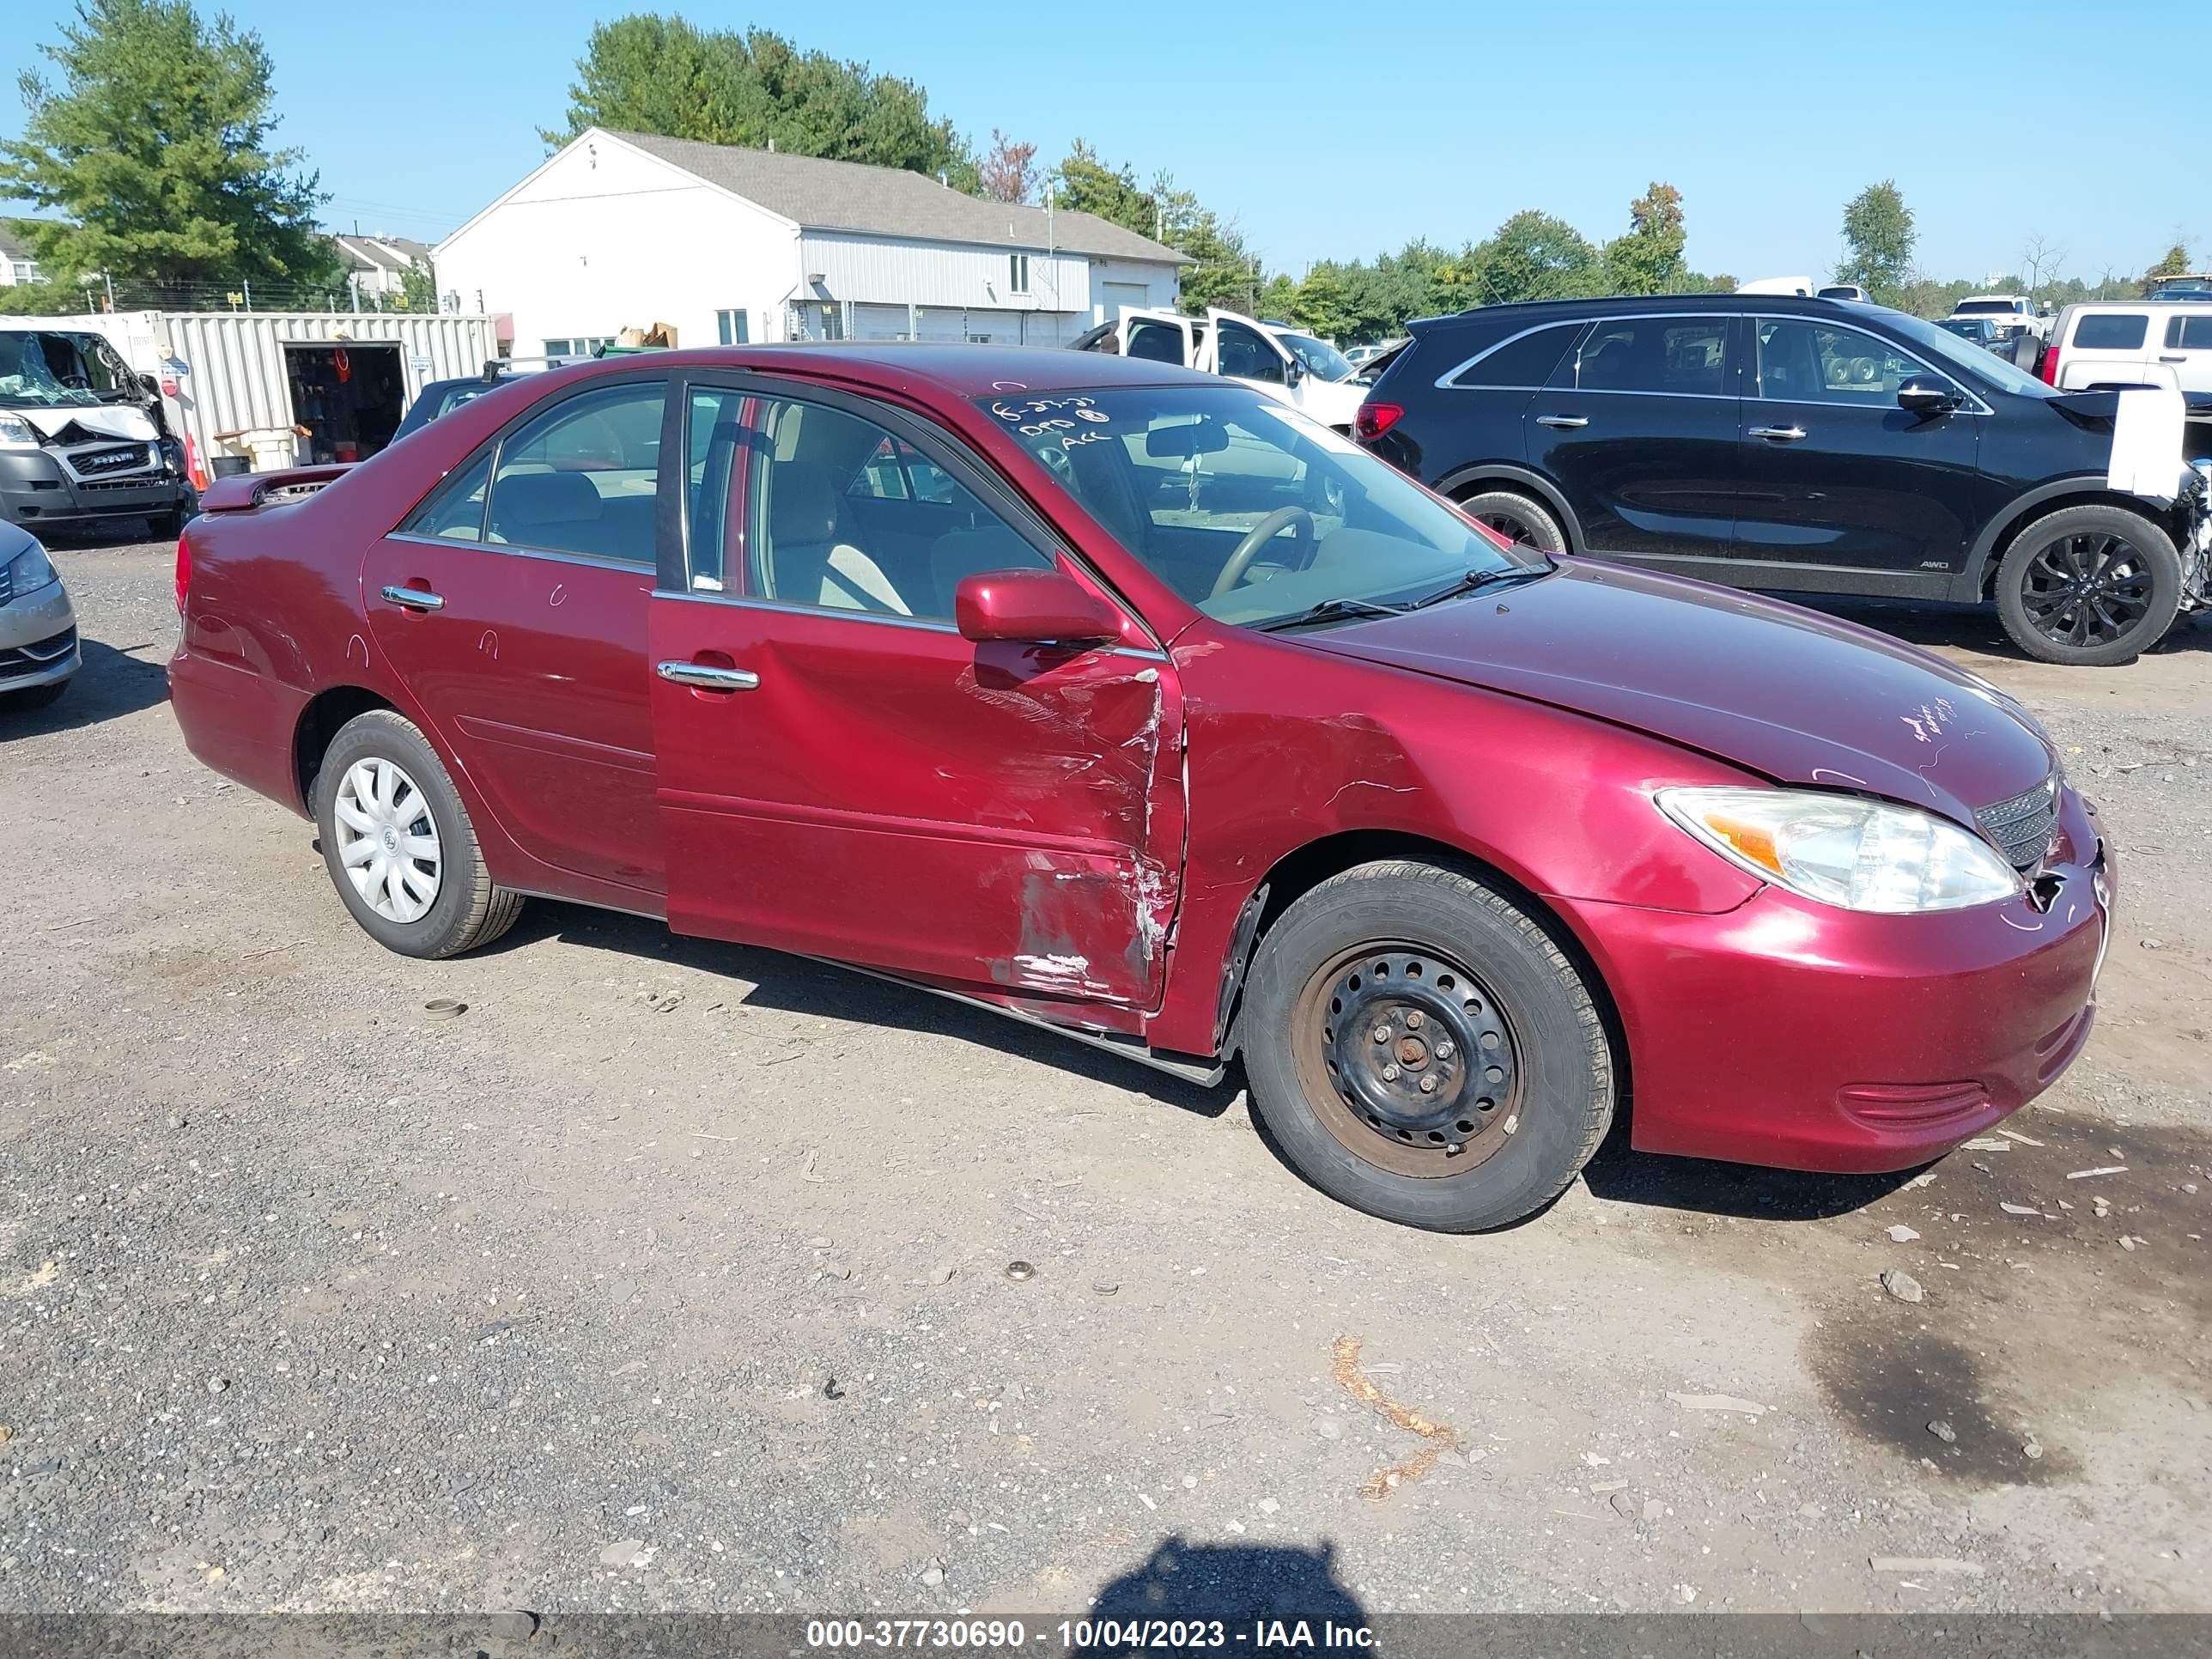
1324 139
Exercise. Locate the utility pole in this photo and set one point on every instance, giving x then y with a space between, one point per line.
110 280
248 288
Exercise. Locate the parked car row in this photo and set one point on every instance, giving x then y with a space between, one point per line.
1287 364
1798 445
1128 700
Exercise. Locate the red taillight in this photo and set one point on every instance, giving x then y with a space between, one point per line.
1373 420
184 572
2047 364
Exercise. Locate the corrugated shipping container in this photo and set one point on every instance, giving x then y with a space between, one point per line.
232 376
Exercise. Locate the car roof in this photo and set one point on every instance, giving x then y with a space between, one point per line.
954 370
1535 311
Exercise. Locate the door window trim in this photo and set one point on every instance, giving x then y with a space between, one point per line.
1974 404
966 467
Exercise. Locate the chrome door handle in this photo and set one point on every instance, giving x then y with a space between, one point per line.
414 598
1786 435
707 676
2181 358
1565 423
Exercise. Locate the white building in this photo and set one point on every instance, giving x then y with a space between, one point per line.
378 266
17 262
622 230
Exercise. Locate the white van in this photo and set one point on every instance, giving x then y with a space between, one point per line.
2111 342
1290 367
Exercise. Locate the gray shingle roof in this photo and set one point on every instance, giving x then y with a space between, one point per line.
823 195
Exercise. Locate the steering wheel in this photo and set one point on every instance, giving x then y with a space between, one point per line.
1257 538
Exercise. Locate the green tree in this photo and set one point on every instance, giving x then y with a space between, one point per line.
154 156
648 73
2175 262
1532 256
1648 258
418 291
1087 185
1878 236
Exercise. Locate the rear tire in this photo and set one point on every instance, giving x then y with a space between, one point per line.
398 843
2089 587
1517 517
1396 977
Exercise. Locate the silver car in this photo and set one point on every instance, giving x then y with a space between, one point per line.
38 629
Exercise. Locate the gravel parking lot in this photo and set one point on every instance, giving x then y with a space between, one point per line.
674 1275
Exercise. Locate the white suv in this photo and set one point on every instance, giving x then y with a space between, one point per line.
2116 342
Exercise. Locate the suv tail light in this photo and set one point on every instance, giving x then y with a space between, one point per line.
2047 365
1373 420
184 572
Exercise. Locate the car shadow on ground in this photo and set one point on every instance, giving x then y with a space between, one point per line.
799 984
110 684
1241 1585
1622 1174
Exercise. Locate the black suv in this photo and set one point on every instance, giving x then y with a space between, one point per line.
1809 446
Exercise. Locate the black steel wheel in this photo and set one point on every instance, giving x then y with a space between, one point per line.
1408 1059
1422 1049
2093 586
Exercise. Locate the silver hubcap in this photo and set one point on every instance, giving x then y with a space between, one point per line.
387 840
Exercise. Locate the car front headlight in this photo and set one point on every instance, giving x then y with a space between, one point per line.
1844 850
30 570
16 433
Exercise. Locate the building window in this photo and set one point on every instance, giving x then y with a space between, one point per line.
580 345
1017 273
733 327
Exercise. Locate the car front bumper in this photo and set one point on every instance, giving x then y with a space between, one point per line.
38 638
37 489
1802 1036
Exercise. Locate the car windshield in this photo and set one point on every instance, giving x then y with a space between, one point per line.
1323 360
27 380
1970 360
1251 510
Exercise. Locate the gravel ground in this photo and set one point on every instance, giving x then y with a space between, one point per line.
672 1275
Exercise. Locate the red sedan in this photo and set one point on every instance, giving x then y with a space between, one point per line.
1130 702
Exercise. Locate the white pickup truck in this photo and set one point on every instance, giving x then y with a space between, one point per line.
1293 368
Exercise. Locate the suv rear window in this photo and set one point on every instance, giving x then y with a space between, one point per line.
1526 363
2111 330
2189 334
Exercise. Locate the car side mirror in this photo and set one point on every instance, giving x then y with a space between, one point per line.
1293 372
1031 607
148 388
1927 397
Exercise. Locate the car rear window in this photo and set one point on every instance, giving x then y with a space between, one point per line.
2111 330
1525 362
2189 334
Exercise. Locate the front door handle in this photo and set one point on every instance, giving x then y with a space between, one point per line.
414 598
708 677
2180 357
1781 435
1564 423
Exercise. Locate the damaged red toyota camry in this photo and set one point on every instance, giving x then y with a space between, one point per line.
1129 702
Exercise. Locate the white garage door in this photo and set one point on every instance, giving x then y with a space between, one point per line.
1118 297
879 322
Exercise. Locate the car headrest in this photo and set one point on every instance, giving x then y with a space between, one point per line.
521 500
802 504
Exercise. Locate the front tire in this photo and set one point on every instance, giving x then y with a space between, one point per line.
2089 587
36 696
398 843
1517 517
1421 1050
